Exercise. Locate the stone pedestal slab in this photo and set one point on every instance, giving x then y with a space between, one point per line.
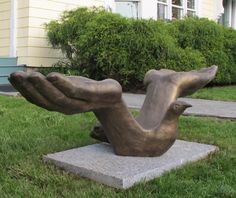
98 162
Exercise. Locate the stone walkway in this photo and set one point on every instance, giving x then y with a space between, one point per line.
2 93
8 90
200 107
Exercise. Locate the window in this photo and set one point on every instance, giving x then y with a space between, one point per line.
162 9
175 9
128 8
191 10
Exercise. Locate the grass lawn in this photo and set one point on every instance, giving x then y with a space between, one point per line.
227 93
28 132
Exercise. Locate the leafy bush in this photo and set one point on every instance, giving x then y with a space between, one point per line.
100 44
215 42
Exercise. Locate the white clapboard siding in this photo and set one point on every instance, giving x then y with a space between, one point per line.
40 61
4 42
4 51
5 7
38 52
33 48
208 9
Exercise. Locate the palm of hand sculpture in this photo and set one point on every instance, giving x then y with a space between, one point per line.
152 133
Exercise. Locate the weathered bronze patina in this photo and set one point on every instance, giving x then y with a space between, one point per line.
152 133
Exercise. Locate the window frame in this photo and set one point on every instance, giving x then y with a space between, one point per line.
184 8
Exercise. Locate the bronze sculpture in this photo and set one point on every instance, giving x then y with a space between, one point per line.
152 133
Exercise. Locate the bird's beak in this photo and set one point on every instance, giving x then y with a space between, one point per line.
187 105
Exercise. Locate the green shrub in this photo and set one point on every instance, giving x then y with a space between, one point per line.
187 59
200 34
61 67
100 44
216 43
230 42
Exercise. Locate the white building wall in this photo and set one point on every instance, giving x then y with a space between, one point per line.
38 51
149 9
5 14
31 43
211 9
234 14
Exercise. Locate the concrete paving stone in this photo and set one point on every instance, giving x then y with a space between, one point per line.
98 162
200 107
8 90
9 93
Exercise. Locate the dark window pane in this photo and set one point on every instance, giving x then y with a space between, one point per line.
161 11
190 13
191 4
177 2
177 13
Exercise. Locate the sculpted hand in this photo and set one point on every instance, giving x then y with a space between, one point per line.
187 82
68 95
154 130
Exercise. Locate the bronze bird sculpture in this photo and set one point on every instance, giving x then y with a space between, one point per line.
151 133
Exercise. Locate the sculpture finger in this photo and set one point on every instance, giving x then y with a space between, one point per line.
54 95
191 81
153 74
20 82
107 91
66 85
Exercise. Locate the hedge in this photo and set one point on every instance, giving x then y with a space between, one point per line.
100 44
215 42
